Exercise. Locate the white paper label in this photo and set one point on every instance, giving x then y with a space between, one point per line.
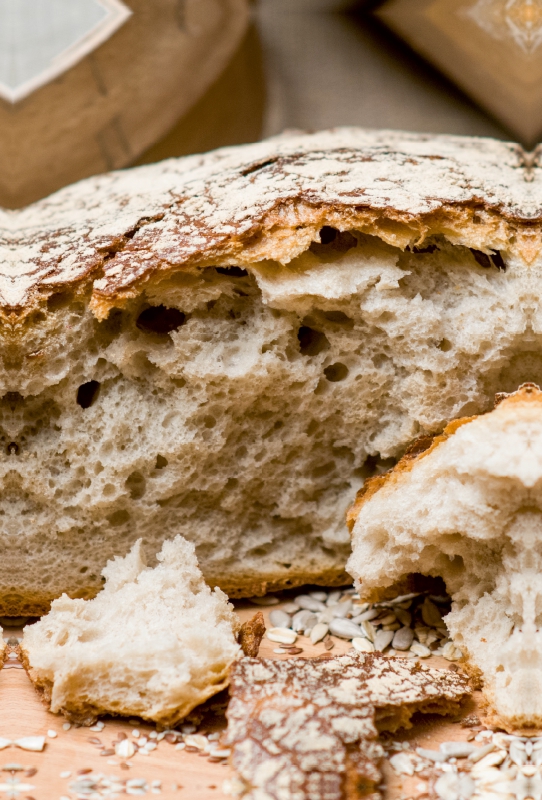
41 39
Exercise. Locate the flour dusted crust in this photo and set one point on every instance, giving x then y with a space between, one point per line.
240 205
308 728
468 508
225 346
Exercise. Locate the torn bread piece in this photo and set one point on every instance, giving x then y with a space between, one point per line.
468 508
154 643
308 728
179 340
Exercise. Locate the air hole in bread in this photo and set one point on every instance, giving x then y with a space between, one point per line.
333 242
338 317
498 261
336 372
160 320
87 394
59 300
445 345
485 261
161 462
135 483
233 272
311 342
119 517
12 449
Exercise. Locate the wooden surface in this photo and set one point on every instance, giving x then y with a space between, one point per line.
490 50
182 775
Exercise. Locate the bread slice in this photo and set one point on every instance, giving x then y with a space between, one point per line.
468 508
225 345
154 643
307 728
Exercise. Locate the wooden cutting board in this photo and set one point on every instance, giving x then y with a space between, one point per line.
182 776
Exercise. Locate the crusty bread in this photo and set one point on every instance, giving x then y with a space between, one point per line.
154 643
307 728
468 508
225 345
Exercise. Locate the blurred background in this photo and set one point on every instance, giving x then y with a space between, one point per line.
313 64
185 76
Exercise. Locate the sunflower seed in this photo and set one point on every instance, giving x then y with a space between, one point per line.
281 635
382 640
309 603
290 608
279 618
457 749
320 596
362 645
266 600
318 632
344 628
403 638
368 629
125 749
404 617
302 619
431 755
333 598
371 613
431 614
341 610
36 743
420 650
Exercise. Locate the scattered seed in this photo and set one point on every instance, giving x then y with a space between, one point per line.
382 640
457 749
307 602
319 632
66 726
266 600
279 618
362 645
431 755
281 635
125 748
35 743
403 639
344 628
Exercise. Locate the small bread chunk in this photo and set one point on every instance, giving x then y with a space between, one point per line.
468 508
251 634
308 728
154 643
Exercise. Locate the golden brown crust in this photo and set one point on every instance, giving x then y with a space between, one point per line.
526 393
238 586
117 233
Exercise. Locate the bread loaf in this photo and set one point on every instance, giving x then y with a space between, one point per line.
224 346
468 508
154 643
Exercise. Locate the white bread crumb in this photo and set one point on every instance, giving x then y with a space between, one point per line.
154 643
469 509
